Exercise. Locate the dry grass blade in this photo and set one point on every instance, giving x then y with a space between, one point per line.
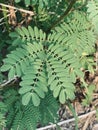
21 10
87 122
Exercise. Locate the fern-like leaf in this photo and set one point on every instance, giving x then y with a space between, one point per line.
48 109
75 35
93 13
18 60
24 35
27 117
63 67
18 123
31 117
34 83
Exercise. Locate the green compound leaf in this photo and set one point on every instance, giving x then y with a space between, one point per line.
24 90
40 92
35 99
34 81
62 97
26 98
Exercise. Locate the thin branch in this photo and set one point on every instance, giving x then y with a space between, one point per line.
68 121
87 122
21 10
7 82
62 16
6 16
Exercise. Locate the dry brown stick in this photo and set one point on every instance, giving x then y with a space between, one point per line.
67 121
7 82
21 10
87 122
5 17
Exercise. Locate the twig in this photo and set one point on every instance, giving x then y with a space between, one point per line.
5 17
21 10
7 82
87 122
62 16
67 121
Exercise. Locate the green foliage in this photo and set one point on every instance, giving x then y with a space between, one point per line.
89 95
74 114
43 60
41 3
35 79
93 13
47 56
23 35
3 111
53 61
76 34
48 109
26 117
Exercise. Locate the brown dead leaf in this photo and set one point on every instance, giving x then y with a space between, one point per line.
12 18
79 108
